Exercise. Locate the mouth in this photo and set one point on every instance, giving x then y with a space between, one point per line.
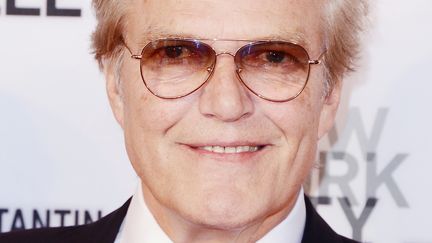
230 149
235 152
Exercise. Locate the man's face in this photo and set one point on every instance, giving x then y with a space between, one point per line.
165 138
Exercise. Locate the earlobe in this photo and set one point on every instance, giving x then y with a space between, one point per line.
113 91
329 109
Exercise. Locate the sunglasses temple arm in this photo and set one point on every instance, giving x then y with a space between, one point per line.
319 60
134 56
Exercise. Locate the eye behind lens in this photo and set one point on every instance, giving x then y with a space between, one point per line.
173 51
275 56
275 51
275 71
172 68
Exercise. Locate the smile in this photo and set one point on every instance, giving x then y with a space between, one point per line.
230 149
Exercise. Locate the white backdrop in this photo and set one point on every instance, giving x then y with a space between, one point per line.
62 153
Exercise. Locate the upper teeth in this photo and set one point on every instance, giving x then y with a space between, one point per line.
230 150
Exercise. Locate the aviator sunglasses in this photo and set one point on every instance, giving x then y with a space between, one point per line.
273 70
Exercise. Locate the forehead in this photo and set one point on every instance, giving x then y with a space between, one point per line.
296 20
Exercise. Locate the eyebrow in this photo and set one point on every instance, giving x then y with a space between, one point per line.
155 33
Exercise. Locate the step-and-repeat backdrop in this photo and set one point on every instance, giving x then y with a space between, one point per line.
62 158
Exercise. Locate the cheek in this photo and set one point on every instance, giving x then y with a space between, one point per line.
297 118
298 123
147 120
145 112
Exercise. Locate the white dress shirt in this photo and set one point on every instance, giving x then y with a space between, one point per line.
139 225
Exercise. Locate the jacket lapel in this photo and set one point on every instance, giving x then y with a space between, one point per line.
106 229
316 229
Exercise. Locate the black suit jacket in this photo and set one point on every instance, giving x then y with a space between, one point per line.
105 231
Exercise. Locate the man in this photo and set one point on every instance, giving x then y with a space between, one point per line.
222 104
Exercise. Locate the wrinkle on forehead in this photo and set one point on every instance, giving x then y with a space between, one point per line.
222 19
154 33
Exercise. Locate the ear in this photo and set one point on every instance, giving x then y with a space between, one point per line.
329 109
114 91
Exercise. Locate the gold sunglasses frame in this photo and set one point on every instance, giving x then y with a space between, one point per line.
238 70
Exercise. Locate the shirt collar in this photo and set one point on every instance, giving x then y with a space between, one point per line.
292 227
139 225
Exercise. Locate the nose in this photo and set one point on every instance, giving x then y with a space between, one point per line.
224 97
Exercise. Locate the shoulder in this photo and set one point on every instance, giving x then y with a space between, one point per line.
101 231
317 230
45 235
346 240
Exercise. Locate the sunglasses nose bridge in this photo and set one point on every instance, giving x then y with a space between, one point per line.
225 53
211 69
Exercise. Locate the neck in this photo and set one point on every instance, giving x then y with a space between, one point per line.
180 229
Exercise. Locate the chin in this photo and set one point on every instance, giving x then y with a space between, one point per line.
222 222
225 211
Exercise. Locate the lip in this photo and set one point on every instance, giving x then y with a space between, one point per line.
196 148
225 144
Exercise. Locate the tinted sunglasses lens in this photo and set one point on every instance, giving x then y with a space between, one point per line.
276 71
175 68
